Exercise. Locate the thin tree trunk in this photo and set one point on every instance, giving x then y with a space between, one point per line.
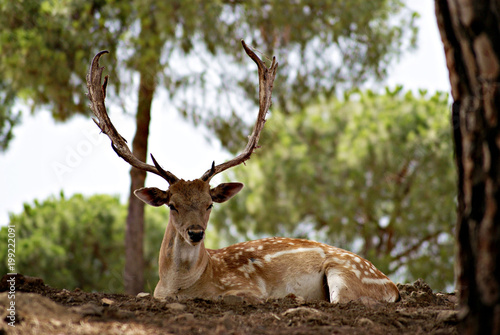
134 234
470 32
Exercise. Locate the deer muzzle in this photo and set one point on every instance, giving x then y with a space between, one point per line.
196 233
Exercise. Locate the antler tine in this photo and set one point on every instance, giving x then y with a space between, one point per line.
167 175
97 94
266 80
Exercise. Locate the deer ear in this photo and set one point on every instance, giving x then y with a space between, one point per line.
225 191
152 196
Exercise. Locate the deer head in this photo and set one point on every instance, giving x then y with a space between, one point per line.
190 202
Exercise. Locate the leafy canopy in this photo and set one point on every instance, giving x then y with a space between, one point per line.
192 49
372 173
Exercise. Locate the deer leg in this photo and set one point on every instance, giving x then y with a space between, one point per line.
338 288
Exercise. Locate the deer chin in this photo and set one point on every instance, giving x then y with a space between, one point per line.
194 244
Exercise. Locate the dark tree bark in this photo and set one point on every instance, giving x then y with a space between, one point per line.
134 233
470 31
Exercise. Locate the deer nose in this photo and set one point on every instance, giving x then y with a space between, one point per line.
196 234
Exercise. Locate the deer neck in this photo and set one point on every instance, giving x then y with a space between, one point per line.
180 264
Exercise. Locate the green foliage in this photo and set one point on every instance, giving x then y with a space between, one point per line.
8 118
47 46
79 242
322 48
334 42
372 173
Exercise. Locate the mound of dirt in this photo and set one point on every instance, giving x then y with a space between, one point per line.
41 309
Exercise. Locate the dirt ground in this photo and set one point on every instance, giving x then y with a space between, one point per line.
41 309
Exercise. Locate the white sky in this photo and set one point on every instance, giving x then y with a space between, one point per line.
45 158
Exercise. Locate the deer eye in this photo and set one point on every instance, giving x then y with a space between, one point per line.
172 208
210 207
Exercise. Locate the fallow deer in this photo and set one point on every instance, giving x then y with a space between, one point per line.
260 269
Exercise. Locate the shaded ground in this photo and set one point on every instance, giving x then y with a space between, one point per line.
44 310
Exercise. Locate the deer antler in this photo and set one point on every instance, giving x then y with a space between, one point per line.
97 94
266 80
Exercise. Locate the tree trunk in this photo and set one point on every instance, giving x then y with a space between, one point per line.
470 32
134 234
148 67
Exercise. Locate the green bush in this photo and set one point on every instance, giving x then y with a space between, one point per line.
79 242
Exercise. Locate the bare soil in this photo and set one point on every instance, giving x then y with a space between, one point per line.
41 309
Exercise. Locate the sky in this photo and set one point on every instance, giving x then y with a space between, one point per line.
46 158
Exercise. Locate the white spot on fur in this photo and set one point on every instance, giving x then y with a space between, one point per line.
269 257
375 281
337 260
247 268
258 263
262 285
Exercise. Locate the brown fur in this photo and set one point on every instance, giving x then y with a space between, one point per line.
271 267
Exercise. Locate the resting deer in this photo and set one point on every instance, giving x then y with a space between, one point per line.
270 267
